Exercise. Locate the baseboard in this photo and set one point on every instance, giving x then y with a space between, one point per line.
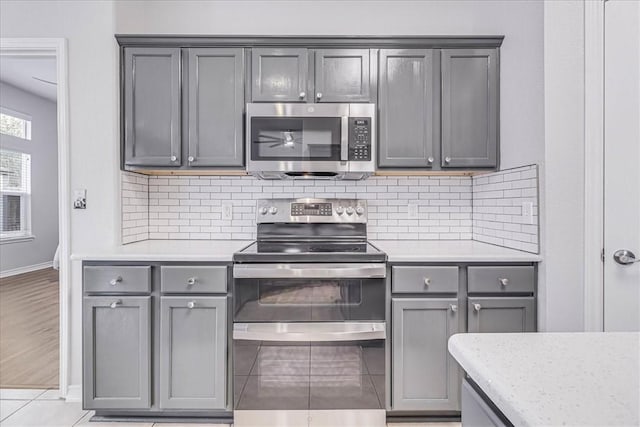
74 393
27 269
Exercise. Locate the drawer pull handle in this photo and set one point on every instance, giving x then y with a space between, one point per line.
115 303
477 307
192 281
503 282
427 281
453 307
115 281
191 304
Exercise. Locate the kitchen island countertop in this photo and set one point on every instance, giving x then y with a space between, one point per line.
552 379
167 250
450 251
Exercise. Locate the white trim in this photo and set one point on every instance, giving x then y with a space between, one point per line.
594 165
56 47
7 239
74 393
26 269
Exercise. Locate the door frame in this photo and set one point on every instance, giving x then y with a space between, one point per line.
56 47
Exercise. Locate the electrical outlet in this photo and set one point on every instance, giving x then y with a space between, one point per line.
80 199
527 212
413 211
227 210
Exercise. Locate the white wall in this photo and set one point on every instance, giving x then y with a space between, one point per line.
521 22
43 148
93 73
562 270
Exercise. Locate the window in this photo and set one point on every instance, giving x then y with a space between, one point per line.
15 186
15 124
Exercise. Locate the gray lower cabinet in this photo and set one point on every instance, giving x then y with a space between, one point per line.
501 314
470 117
215 92
476 412
193 352
151 116
406 108
342 75
116 352
424 375
279 74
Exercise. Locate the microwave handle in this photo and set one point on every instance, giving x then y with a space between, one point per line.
344 139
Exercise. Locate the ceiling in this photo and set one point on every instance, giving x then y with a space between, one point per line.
23 72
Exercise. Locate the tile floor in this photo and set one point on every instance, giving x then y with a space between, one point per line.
44 408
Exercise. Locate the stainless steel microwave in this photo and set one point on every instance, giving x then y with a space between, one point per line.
334 141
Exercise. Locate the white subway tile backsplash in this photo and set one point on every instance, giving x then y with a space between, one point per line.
135 207
497 208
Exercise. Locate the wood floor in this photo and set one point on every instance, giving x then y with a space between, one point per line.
29 330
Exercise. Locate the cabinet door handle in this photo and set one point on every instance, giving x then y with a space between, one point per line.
191 304
319 95
192 281
477 307
191 158
115 303
427 281
453 308
504 281
302 95
430 160
447 159
115 281
174 158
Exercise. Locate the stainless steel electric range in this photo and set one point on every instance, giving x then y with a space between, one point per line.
309 326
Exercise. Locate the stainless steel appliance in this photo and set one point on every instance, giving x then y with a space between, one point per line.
336 141
309 318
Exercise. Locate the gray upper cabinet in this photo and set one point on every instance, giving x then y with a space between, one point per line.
470 117
215 82
151 106
424 375
342 75
407 105
501 314
116 352
279 74
193 352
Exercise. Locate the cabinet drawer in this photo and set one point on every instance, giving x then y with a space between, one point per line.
519 279
117 279
424 279
193 279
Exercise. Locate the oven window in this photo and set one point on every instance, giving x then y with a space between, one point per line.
310 292
295 138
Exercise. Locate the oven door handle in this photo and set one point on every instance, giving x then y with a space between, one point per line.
316 332
309 271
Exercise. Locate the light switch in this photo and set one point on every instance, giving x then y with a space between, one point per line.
80 198
227 210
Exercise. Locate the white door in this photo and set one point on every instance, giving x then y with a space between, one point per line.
622 165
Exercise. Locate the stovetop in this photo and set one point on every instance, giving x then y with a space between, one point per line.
310 251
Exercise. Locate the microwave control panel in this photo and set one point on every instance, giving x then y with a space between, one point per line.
360 138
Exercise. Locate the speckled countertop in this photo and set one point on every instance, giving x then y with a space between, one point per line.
450 251
553 379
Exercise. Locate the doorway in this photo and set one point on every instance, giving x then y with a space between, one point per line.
34 215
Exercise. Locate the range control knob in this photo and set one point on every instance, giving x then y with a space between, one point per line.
350 210
339 210
263 210
360 210
273 210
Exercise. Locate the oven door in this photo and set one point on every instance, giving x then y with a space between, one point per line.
309 292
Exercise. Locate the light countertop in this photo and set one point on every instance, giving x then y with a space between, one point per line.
167 250
552 379
450 251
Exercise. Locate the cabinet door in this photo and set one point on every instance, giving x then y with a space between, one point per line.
503 314
406 104
116 352
193 352
215 105
152 106
425 376
342 75
279 75
470 96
